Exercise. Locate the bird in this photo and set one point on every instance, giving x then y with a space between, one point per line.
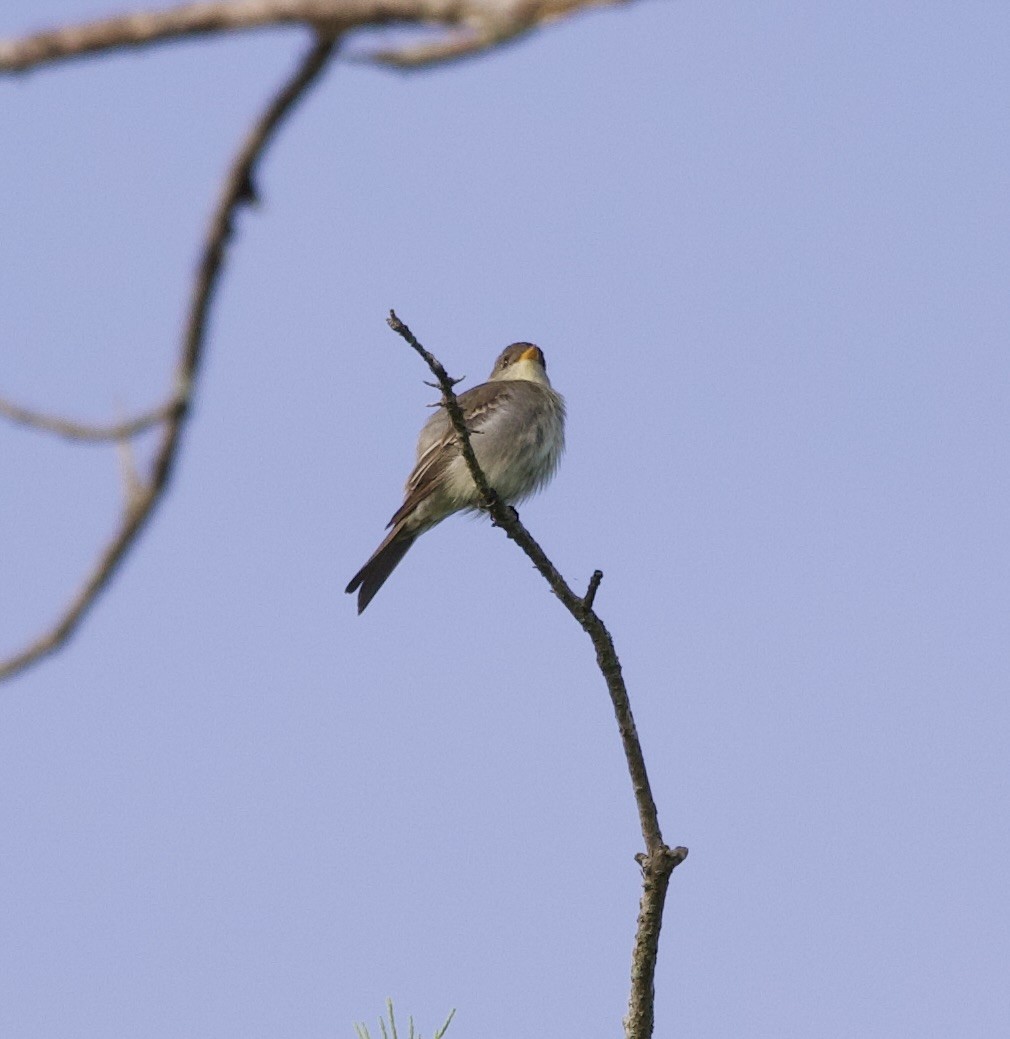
517 422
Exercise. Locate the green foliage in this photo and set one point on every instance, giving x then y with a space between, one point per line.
391 1033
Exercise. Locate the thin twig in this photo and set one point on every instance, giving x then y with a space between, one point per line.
489 22
454 46
658 861
594 586
146 495
91 433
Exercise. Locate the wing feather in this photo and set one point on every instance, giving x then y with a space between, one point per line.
437 447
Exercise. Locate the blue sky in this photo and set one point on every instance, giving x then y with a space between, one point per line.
765 249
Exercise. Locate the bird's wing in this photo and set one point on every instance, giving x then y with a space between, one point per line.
437 447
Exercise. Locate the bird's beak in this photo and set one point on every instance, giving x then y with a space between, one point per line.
534 353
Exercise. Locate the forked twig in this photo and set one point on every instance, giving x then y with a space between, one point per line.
474 26
145 495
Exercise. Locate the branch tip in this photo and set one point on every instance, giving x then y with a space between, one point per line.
594 586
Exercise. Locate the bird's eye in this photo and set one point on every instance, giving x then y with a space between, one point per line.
506 361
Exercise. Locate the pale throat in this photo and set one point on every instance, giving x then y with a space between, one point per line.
527 370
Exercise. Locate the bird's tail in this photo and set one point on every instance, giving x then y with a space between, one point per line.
372 576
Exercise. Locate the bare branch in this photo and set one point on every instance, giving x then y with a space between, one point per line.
657 865
88 432
490 22
144 496
658 861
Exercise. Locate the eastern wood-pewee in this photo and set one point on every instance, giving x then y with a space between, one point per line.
518 427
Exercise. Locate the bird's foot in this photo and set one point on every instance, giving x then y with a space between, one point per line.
508 508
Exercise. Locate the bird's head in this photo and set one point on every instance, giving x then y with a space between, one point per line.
521 361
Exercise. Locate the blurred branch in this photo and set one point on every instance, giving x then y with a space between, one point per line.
462 43
657 861
143 495
488 23
89 432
